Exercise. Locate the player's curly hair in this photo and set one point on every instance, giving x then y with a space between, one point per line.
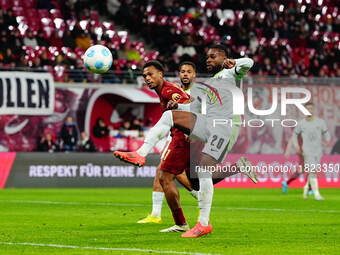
220 47
155 64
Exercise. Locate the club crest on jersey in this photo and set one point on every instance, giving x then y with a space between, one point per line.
176 97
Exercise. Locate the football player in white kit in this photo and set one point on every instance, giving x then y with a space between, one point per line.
218 139
312 130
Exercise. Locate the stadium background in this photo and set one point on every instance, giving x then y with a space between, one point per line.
293 43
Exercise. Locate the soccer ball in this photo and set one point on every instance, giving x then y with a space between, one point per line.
97 59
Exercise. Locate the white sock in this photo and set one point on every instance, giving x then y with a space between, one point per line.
156 133
157 201
194 193
313 181
205 196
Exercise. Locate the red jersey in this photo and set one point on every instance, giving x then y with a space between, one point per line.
172 91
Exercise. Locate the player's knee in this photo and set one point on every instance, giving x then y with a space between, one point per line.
164 179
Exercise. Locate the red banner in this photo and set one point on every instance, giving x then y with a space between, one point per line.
6 159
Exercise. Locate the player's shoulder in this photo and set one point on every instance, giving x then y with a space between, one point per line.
172 91
170 86
225 73
320 121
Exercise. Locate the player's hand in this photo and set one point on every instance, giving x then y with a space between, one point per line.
172 105
229 63
326 144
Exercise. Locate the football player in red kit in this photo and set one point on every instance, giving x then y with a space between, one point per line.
176 158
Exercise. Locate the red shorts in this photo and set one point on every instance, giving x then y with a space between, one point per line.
176 159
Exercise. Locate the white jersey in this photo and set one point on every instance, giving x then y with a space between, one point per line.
312 133
215 93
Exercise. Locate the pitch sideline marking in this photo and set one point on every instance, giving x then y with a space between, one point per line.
103 248
143 205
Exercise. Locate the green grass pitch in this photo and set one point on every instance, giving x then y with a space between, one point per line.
245 221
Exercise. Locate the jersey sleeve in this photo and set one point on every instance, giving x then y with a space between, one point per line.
242 66
175 93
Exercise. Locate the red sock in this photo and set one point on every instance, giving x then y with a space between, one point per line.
293 177
178 216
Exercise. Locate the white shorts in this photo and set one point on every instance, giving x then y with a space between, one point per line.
312 162
218 140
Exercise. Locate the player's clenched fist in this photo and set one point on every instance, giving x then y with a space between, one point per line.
229 63
172 105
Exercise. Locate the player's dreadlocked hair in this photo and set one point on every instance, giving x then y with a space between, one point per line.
155 64
220 47
309 103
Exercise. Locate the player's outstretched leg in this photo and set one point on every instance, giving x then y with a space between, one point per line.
179 119
292 178
156 133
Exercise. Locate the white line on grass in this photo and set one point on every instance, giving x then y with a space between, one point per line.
143 205
103 248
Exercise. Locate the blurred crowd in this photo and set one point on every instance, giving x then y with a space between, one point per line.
285 38
69 139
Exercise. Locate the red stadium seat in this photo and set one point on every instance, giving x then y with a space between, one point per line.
43 13
31 13
5 4
67 51
94 16
175 21
79 52
59 24
17 3
56 4
55 13
18 11
239 15
153 55
108 25
34 24
46 22
134 62
84 24
59 73
48 31
71 23
29 52
39 50
152 19
162 20
29 3
122 62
